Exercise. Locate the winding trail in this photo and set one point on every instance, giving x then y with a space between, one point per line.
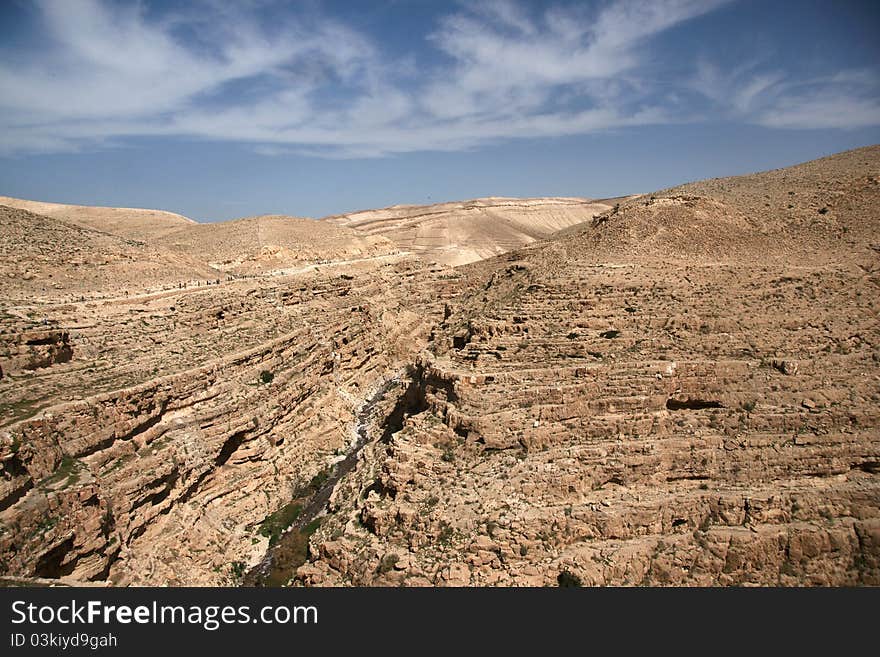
193 286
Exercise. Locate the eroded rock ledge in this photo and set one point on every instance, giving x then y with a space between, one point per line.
683 393
167 481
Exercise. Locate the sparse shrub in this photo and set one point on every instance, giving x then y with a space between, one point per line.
318 480
276 523
266 376
567 579
749 406
388 562
237 568
445 535
788 569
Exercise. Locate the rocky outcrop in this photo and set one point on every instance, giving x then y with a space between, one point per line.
166 480
676 394
31 350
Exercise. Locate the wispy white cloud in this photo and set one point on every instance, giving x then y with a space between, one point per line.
810 112
518 64
749 93
308 84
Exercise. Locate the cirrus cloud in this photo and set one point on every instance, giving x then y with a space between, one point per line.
105 72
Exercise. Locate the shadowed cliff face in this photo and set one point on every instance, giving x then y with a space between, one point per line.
682 390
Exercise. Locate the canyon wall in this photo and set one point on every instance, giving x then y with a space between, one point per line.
683 391
218 404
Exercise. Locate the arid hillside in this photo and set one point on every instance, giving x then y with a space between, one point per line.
682 389
43 258
152 439
271 242
824 209
129 223
463 232
816 195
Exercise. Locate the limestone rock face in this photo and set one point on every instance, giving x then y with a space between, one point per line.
179 421
683 391
34 349
680 390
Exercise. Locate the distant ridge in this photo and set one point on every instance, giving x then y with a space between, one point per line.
271 242
131 223
459 232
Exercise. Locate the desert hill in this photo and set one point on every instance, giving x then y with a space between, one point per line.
449 233
681 390
462 232
806 194
48 258
130 223
271 242
821 209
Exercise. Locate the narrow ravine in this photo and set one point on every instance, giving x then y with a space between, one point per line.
290 551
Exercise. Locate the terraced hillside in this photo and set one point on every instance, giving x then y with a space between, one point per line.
685 391
682 390
150 440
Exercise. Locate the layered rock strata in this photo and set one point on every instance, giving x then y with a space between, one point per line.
685 392
184 419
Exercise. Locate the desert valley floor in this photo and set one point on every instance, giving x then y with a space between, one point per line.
673 388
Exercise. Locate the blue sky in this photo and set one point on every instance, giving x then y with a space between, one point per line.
219 110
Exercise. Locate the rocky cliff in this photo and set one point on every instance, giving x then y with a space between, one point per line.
681 390
684 391
185 419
